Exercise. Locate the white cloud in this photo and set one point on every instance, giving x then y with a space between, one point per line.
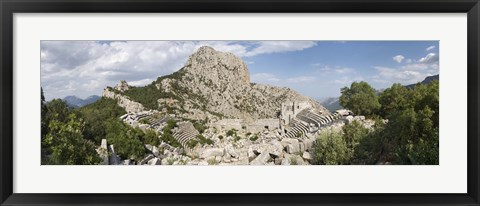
343 70
398 74
398 58
325 69
92 85
430 48
267 47
92 65
140 83
71 86
413 72
430 58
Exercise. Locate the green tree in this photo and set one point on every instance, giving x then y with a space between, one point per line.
369 148
330 149
66 145
43 114
57 109
127 141
353 133
394 99
410 136
96 115
427 95
360 98
414 137
53 110
42 97
151 138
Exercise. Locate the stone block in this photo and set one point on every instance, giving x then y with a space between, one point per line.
154 161
307 156
155 151
261 159
212 152
146 159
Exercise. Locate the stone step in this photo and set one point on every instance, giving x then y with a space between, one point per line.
185 133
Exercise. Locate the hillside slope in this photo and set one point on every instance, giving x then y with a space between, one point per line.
212 83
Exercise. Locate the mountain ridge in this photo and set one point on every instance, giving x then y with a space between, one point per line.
427 80
77 102
212 83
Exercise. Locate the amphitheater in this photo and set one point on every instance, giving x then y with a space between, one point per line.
184 133
296 120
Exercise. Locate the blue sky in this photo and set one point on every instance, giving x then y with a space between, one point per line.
320 71
314 68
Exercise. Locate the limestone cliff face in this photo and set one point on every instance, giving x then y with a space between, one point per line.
213 82
218 67
123 101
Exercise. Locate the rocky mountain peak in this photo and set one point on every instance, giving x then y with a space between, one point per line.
212 84
122 86
216 66
206 49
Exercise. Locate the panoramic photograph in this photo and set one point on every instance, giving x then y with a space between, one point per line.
278 103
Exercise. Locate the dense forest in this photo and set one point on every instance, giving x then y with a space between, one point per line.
70 136
406 127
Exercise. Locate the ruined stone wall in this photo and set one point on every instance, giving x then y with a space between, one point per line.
291 109
228 124
261 124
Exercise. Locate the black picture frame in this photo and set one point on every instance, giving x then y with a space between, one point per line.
10 7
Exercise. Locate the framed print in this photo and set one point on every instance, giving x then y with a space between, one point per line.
250 103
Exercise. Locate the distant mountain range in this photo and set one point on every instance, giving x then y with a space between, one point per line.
333 104
76 102
425 81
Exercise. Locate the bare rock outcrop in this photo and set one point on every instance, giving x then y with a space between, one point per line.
123 101
214 82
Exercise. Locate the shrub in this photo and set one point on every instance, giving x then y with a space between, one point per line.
330 149
353 133
212 161
192 143
293 161
127 141
66 145
232 132
299 134
151 138
96 115
144 121
204 140
199 127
